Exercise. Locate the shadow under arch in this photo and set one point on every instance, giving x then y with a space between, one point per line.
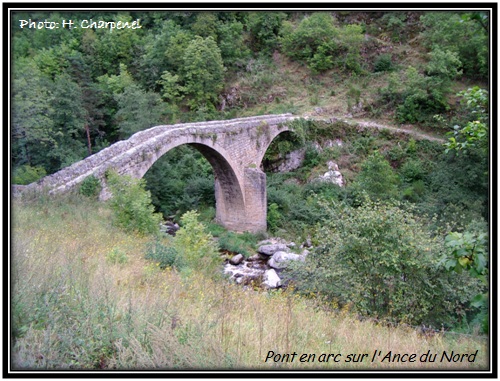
229 196
287 134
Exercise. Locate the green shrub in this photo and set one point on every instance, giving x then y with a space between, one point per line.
264 28
394 23
383 62
461 33
196 247
319 43
382 261
90 187
164 256
396 153
377 178
415 96
131 204
469 251
116 256
412 169
203 73
274 217
26 174
415 191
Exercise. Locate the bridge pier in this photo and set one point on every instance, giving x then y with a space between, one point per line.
252 214
255 200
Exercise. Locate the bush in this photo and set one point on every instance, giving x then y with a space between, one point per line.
196 247
383 62
164 256
469 251
319 43
203 73
416 97
412 169
460 33
131 204
394 23
264 28
380 260
377 178
274 217
116 256
26 174
90 187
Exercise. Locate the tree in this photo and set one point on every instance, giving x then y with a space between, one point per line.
475 132
264 29
462 33
119 46
162 51
206 25
314 34
69 118
468 251
202 72
32 125
322 45
231 43
415 96
137 110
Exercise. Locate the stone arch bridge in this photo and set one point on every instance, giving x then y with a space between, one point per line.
235 149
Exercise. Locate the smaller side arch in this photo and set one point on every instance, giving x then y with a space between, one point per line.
272 136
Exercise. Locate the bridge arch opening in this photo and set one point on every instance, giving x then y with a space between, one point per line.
192 175
284 144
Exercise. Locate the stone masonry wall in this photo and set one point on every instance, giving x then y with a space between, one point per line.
234 148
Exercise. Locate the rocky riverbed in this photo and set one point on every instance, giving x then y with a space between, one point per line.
264 267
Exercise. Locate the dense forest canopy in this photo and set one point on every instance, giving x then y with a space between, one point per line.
75 91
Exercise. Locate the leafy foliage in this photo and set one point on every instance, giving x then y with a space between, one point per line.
377 178
195 246
165 256
203 72
383 62
27 174
319 43
415 96
475 132
90 187
237 243
461 33
381 260
468 251
131 204
264 28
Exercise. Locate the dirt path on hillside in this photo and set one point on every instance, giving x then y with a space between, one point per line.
370 124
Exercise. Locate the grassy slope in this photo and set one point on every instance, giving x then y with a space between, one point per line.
282 85
73 308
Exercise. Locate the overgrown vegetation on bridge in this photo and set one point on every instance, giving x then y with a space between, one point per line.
404 241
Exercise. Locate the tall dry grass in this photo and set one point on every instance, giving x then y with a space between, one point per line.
73 308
